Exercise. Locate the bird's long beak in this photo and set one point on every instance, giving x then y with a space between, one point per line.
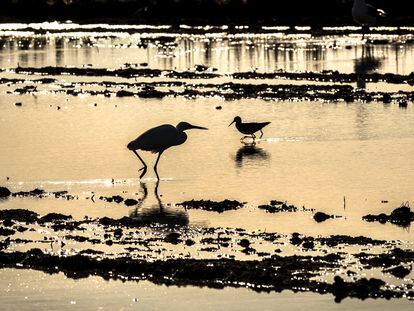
198 127
231 123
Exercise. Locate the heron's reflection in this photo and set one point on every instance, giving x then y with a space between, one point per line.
249 151
366 64
158 213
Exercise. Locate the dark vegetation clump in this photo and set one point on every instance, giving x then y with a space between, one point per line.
320 216
52 217
6 231
173 238
334 240
40 193
21 215
114 198
212 206
399 271
130 202
275 206
393 258
363 288
4 192
401 216
274 273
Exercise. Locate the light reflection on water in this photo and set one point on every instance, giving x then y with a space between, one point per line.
226 53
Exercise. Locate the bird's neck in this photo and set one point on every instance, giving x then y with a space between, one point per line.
181 137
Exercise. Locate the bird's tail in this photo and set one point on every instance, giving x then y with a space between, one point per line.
131 145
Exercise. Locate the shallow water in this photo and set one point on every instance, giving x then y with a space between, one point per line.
313 154
345 159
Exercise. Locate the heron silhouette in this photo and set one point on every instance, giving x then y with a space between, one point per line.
158 139
249 128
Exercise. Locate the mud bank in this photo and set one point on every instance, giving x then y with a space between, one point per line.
212 206
226 91
325 76
236 257
274 274
401 216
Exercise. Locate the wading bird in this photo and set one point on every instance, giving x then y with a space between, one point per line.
365 14
249 128
160 138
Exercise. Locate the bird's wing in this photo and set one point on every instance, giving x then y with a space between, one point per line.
373 11
254 127
156 139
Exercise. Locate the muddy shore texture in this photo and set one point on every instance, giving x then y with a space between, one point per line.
245 265
275 274
401 216
338 89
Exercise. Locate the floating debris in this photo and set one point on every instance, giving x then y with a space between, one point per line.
320 216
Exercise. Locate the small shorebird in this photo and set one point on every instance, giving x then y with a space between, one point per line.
365 14
249 128
160 138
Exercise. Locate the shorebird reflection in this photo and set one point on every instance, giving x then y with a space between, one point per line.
158 213
250 152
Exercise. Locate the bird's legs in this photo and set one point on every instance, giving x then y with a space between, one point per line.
261 134
156 163
144 168
252 136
